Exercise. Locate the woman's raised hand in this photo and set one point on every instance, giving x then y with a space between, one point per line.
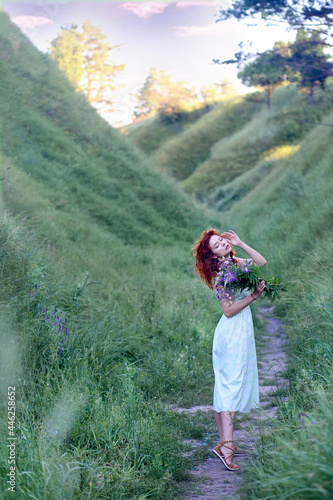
232 237
259 289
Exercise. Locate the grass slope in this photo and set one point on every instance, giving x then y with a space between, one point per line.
114 259
61 142
288 215
92 422
289 119
149 134
182 154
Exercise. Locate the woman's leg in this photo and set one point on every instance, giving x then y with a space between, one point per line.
225 424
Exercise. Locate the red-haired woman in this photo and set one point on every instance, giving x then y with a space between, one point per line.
234 354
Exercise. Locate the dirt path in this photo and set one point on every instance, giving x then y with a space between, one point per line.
215 481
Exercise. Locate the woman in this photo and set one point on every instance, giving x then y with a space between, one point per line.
234 355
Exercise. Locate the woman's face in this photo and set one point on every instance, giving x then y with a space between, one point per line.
219 246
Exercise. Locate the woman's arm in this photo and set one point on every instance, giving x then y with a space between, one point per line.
230 310
235 240
256 256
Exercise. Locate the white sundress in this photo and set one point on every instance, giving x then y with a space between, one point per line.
235 362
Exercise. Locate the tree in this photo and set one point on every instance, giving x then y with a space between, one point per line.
268 71
66 49
215 92
313 20
84 57
298 14
159 94
311 66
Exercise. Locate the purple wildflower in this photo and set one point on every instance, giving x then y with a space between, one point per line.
230 276
226 263
300 414
61 325
246 268
54 313
222 293
60 346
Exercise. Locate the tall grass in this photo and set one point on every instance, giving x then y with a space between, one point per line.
114 238
91 418
296 459
182 154
233 155
149 134
288 216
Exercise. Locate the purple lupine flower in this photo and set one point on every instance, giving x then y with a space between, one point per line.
54 313
246 268
60 346
61 325
57 322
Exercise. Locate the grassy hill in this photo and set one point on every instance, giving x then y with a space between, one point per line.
289 215
289 120
238 136
149 134
271 180
181 155
92 419
109 229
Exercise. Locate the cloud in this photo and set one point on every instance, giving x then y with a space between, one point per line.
205 30
203 3
31 21
144 9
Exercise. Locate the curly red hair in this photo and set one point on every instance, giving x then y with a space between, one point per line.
205 265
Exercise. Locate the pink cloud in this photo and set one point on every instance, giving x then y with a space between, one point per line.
31 21
144 9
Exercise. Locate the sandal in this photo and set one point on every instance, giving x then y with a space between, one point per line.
236 450
224 458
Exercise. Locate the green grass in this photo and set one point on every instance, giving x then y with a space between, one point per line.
109 229
288 216
107 240
230 157
149 134
181 155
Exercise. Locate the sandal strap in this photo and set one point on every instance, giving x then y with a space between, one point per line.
229 456
228 447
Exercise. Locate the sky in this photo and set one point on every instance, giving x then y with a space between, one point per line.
180 37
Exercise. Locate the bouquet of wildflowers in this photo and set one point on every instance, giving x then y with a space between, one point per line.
234 277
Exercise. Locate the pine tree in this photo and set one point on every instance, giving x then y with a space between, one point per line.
268 71
66 49
84 57
310 64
